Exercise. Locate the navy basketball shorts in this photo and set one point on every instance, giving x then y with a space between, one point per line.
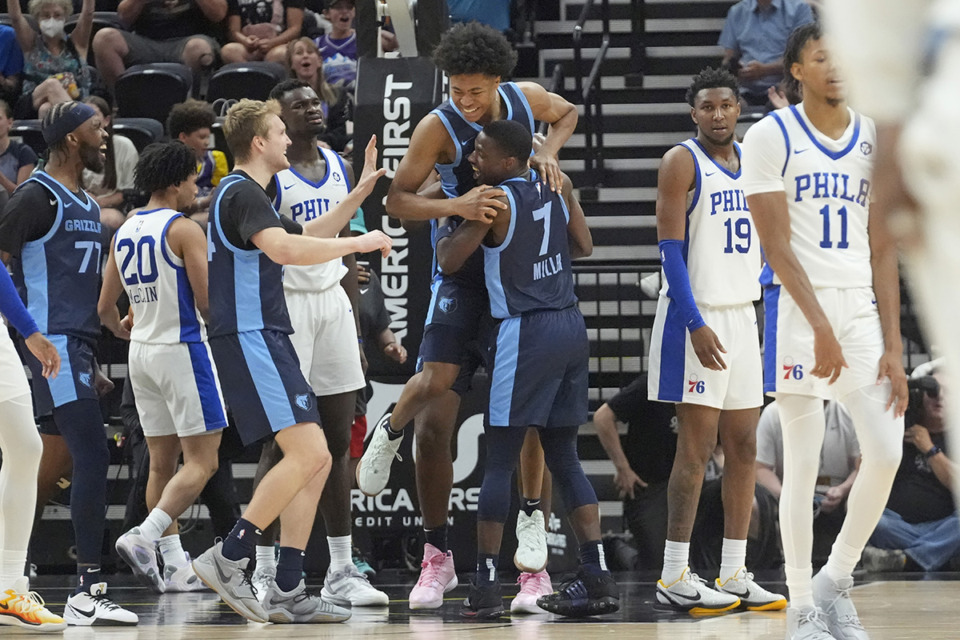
453 329
75 380
262 383
540 370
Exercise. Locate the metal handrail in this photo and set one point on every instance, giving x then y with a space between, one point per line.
556 85
591 94
578 36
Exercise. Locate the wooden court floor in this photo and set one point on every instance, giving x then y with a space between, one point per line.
896 609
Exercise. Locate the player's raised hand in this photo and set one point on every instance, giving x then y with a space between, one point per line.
375 240
828 356
480 203
549 169
891 366
44 351
370 173
708 348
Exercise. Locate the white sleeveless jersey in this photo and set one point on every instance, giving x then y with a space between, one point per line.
164 311
827 184
302 201
721 248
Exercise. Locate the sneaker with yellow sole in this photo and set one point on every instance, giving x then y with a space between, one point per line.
752 596
26 609
692 594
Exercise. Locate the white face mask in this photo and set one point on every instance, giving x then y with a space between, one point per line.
52 27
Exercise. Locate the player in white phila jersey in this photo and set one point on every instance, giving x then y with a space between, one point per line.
326 331
832 321
705 351
904 56
160 258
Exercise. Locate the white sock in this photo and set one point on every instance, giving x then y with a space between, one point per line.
266 557
11 568
843 558
676 558
800 583
341 551
156 523
172 551
732 558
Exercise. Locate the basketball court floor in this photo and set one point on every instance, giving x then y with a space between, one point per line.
894 608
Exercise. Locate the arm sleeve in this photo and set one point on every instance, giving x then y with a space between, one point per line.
880 43
27 216
764 158
12 307
675 271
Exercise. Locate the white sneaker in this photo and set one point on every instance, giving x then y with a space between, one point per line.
347 587
531 555
140 553
300 606
532 587
752 596
691 593
181 579
373 470
262 577
838 610
95 608
806 624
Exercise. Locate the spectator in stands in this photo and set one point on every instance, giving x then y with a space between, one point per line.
495 13
754 37
191 123
17 160
107 188
919 527
168 31
307 66
11 65
259 30
338 48
54 64
839 462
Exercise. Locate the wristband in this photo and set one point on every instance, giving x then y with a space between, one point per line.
934 450
678 281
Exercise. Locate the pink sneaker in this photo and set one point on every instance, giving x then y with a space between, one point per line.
437 577
532 586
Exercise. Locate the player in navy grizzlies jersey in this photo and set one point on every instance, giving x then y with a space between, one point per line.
325 329
476 58
704 348
160 258
51 227
832 331
247 244
538 363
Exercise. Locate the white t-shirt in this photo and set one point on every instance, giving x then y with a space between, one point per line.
125 157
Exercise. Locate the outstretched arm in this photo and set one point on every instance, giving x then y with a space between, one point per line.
562 118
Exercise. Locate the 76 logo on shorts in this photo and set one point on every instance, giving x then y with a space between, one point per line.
695 385
791 370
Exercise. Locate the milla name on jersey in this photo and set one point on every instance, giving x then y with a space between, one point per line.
550 266
78 224
830 185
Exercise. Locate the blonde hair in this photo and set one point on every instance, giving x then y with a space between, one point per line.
33 8
324 89
246 120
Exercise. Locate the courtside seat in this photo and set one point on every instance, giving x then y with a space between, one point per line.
141 131
31 135
239 80
150 90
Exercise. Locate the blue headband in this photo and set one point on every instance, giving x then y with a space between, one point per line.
69 120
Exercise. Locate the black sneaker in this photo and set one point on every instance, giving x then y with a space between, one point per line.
586 594
483 602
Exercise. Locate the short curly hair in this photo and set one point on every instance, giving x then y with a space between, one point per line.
711 78
162 165
471 47
187 117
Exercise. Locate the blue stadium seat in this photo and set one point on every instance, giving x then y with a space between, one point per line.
252 80
141 131
150 90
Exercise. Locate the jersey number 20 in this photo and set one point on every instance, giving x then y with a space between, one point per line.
144 247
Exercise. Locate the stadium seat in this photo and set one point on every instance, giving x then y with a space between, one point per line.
252 80
150 90
29 132
141 131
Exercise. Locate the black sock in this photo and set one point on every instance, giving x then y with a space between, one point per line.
289 569
241 541
591 557
487 568
437 537
393 435
87 576
530 505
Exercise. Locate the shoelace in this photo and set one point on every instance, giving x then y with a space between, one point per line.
431 569
102 600
29 603
527 578
380 446
813 617
847 619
